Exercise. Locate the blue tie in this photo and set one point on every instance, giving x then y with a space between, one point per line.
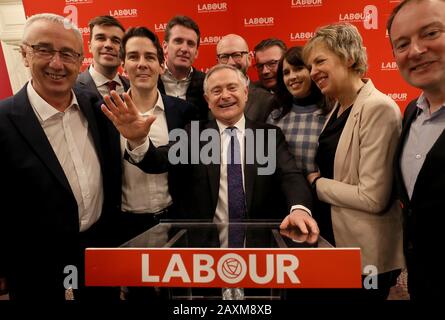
235 190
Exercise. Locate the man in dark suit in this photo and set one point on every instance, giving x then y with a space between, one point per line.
417 33
181 79
102 76
56 192
232 49
146 198
216 190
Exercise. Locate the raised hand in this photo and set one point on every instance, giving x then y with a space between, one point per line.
127 119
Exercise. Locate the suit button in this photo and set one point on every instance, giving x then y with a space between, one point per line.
410 212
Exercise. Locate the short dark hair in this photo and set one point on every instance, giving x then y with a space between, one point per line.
270 42
104 21
184 21
142 32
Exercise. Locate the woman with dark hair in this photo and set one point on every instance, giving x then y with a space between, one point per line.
302 109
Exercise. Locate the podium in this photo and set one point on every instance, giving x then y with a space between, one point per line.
190 260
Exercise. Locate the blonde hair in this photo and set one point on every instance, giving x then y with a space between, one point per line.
345 41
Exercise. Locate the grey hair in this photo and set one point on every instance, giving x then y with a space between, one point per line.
51 17
345 41
239 73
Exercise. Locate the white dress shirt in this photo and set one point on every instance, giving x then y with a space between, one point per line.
73 145
174 87
143 192
102 82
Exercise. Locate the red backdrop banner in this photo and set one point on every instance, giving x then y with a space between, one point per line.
5 85
293 21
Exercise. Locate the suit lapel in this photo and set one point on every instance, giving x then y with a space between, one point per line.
249 169
86 80
28 125
345 141
213 171
87 108
410 116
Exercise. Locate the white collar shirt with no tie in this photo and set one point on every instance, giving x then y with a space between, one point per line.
69 136
143 192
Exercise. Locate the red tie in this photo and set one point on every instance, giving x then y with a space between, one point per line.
111 85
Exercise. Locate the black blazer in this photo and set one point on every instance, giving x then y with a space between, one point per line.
267 196
39 218
260 103
194 94
86 82
423 214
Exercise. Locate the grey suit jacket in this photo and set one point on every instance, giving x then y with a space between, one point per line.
260 103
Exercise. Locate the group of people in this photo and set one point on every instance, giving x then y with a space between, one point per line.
88 161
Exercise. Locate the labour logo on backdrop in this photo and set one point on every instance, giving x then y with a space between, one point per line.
301 36
369 17
78 1
124 13
212 7
306 3
210 40
259 22
389 66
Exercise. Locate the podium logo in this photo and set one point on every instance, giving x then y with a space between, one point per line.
231 268
301 36
124 13
369 17
259 22
398 96
212 7
78 1
306 3
210 40
389 66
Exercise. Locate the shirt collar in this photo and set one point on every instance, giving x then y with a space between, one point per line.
158 105
42 108
423 106
100 79
171 76
240 125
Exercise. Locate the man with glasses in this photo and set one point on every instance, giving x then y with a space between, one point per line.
267 55
102 76
232 49
56 187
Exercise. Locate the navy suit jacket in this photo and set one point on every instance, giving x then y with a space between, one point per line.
423 214
86 82
267 196
39 219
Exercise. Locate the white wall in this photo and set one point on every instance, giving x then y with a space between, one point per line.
12 21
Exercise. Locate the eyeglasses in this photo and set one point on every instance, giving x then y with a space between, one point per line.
47 52
236 56
269 64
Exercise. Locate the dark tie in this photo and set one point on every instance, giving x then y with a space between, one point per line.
111 85
235 190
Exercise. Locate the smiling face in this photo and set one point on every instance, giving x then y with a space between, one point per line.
104 45
226 95
329 72
52 78
142 63
182 48
297 80
418 40
267 74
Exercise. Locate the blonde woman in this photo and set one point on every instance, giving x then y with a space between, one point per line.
355 156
